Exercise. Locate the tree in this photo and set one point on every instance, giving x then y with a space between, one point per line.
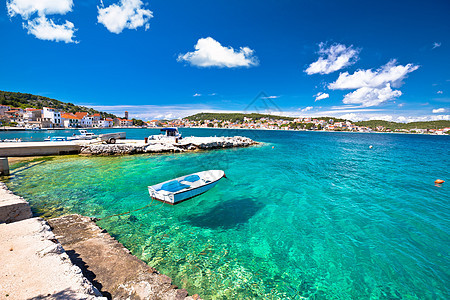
137 122
309 126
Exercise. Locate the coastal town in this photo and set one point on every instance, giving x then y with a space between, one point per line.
51 118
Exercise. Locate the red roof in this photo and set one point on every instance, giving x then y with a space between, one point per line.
69 116
81 115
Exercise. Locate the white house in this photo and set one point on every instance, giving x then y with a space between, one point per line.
105 123
53 115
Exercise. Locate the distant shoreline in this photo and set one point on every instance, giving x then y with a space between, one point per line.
217 128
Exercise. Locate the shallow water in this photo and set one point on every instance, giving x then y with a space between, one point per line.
306 215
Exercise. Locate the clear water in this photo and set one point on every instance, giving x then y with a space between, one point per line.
307 215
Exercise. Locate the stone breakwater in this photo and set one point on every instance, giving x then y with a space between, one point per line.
183 145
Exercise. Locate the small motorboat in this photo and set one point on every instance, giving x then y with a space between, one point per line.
84 135
185 187
170 134
56 139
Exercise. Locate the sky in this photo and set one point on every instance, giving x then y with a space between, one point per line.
358 60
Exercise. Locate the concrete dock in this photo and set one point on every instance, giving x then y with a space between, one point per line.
38 149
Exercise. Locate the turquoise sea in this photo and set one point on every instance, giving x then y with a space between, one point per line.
306 215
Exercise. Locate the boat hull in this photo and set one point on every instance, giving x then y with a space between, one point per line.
176 194
183 196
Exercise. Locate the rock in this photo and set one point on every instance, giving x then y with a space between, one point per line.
114 270
186 144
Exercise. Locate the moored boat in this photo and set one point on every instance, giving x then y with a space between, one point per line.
170 134
56 139
185 187
84 135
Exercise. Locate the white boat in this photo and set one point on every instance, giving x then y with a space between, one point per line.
56 139
185 187
84 135
170 134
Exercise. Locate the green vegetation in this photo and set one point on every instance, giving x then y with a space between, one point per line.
32 101
393 125
239 118
234 117
137 122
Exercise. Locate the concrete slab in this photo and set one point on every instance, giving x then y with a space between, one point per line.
12 207
38 148
35 266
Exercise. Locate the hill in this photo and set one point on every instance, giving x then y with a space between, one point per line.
33 101
233 117
408 126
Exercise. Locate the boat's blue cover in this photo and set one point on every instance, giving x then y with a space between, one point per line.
173 186
191 178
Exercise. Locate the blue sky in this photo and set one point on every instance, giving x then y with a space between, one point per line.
354 59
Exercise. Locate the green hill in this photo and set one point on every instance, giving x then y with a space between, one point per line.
32 101
412 125
233 117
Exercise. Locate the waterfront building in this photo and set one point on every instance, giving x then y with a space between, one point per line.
70 120
53 115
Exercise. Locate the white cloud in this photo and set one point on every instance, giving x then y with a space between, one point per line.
367 96
308 108
439 110
40 26
321 96
332 59
196 95
128 14
436 45
210 53
389 73
26 8
271 97
440 92
149 112
45 29
373 87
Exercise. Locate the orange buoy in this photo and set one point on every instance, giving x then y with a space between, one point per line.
439 181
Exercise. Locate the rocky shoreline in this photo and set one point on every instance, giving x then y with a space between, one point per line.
184 145
70 258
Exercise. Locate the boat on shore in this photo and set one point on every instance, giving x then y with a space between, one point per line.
170 134
185 187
